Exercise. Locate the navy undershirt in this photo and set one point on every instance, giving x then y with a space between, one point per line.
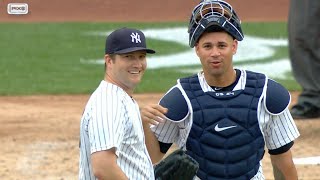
231 86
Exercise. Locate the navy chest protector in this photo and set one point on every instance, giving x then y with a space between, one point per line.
225 137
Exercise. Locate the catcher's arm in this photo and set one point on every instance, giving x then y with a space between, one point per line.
150 115
283 166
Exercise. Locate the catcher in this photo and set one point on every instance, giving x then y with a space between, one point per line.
223 117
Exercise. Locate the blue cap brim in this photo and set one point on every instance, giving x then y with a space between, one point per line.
132 49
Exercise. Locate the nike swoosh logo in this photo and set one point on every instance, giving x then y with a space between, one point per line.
219 129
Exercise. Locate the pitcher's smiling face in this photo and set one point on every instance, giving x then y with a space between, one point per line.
126 70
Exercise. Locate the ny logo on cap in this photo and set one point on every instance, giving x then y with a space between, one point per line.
135 37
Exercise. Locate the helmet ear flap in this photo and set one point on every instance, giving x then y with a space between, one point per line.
213 13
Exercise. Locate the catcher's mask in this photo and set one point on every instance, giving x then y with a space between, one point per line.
216 14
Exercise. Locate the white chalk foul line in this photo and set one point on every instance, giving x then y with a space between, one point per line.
307 160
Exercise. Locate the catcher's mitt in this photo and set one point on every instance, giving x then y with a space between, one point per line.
176 166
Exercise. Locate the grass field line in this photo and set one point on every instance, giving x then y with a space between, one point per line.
251 49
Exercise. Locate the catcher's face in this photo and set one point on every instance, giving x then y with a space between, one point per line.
126 70
215 51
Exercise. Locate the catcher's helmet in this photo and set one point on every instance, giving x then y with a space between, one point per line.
213 13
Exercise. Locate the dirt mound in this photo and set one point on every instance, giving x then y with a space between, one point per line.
136 11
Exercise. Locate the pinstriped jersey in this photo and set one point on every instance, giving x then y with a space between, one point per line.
111 119
277 130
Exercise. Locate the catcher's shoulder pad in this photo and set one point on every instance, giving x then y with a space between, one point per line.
176 104
277 97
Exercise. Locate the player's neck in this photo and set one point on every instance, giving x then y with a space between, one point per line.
109 79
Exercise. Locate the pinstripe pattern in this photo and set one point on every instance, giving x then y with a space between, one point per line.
277 130
112 119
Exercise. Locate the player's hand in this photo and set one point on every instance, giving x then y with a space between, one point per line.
153 114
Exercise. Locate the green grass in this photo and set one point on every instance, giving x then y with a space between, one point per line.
44 58
266 29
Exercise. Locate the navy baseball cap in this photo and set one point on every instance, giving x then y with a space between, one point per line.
126 40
